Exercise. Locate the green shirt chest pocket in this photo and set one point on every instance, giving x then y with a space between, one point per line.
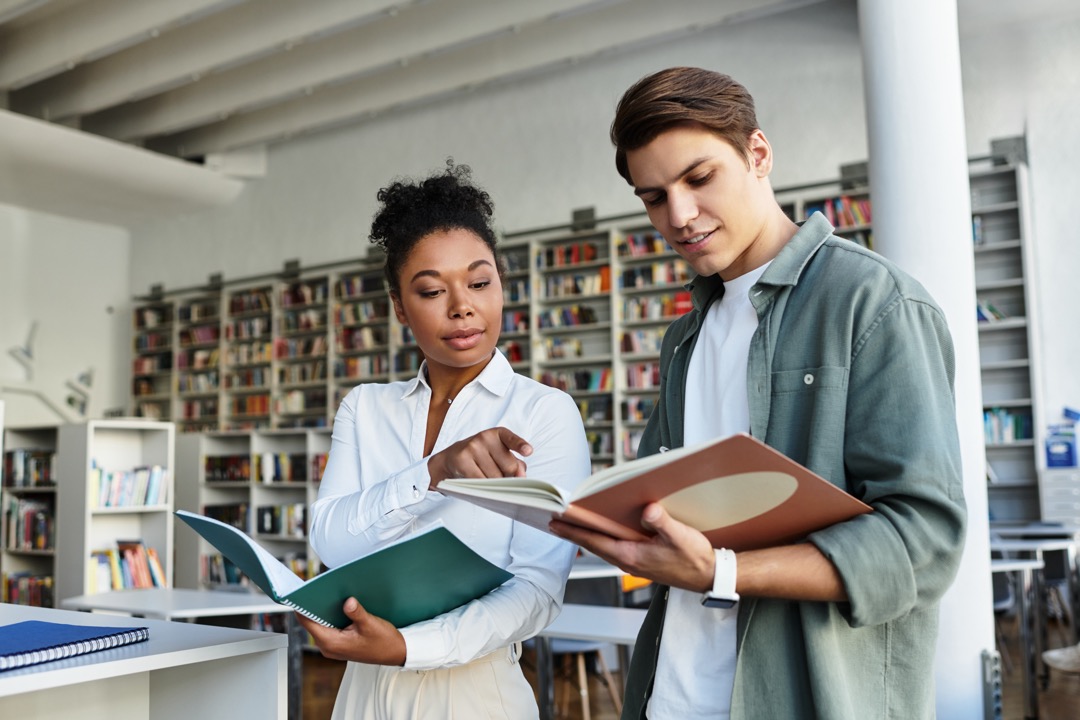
808 403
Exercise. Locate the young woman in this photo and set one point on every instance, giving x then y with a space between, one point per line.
465 414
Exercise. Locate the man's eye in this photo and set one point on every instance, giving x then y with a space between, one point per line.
700 180
654 201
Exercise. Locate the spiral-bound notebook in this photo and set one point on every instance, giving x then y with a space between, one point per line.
36 641
417 578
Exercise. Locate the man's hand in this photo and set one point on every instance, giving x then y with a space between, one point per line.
369 639
678 555
489 453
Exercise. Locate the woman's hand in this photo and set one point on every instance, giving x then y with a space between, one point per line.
489 453
369 639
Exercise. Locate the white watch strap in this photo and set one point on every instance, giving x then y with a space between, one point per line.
724 574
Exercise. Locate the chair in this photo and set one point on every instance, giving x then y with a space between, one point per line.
574 654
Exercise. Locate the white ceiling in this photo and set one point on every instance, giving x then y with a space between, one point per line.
198 78
195 77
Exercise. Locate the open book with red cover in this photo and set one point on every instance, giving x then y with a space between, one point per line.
738 491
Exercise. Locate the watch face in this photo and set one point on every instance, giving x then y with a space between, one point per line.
714 601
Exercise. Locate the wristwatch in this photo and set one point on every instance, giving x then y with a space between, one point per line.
723 593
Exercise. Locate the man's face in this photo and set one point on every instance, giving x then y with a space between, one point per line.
700 195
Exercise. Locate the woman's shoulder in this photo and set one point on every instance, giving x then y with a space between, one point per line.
533 392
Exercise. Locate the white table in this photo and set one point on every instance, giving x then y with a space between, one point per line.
596 623
1023 571
181 672
185 604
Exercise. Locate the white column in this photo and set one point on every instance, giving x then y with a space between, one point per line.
922 222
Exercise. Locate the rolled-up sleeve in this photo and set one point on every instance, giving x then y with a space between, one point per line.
902 456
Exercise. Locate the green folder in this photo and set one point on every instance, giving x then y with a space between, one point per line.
415 579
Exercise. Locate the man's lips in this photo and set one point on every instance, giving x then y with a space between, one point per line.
695 239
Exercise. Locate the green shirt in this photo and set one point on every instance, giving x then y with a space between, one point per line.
850 373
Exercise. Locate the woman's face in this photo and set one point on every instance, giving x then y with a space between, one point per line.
451 298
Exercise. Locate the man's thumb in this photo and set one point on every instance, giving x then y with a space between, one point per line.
654 517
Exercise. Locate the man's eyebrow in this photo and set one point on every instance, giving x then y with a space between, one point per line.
686 171
435 273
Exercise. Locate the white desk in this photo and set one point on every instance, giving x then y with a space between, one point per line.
176 603
1023 571
590 568
598 623
181 672
183 604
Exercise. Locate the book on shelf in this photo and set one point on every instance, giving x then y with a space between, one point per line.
36 641
738 491
423 575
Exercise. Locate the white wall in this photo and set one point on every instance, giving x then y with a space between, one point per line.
71 277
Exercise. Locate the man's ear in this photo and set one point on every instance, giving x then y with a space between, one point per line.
399 310
761 157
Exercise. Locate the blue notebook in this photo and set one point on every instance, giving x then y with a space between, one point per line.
35 641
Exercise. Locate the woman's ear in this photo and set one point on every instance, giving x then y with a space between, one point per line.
399 309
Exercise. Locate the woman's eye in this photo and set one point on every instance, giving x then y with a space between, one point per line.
480 285
430 293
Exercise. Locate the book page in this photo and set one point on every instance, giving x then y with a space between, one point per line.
529 492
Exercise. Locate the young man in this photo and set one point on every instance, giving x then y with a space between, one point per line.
834 357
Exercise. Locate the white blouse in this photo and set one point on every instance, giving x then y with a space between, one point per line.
374 490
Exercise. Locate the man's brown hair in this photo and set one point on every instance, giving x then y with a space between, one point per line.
682 96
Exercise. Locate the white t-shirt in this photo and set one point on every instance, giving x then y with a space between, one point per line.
695 671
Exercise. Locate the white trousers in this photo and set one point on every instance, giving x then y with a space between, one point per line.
492 686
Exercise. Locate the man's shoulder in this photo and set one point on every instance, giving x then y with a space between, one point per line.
846 265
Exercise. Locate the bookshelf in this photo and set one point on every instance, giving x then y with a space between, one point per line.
261 481
28 528
585 311
152 366
113 453
248 357
1008 339
301 351
198 361
361 329
515 340
574 326
650 279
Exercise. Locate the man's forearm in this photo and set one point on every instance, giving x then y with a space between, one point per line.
789 572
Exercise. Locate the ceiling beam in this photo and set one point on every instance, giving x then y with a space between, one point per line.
534 48
87 31
235 36
54 169
411 34
11 9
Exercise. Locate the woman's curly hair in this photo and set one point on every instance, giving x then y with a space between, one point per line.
411 210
